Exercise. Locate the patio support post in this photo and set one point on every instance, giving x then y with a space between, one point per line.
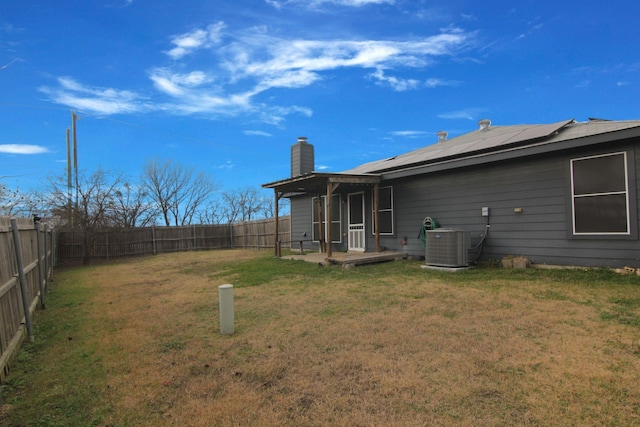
329 239
320 230
330 189
376 206
277 231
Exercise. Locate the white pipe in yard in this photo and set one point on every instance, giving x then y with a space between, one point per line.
225 299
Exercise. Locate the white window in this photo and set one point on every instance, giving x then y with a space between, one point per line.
385 212
600 195
336 218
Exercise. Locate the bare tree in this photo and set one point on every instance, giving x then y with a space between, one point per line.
132 207
14 202
9 201
213 213
95 198
178 191
241 205
268 207
231 207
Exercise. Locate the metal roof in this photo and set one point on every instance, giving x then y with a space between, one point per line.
476 145
494 138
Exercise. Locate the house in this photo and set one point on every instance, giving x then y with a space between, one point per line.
564 193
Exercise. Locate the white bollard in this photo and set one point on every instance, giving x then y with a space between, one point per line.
225 298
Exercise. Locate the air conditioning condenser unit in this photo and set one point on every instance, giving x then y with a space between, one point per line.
446 247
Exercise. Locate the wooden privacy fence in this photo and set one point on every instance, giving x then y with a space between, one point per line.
73 246
26 268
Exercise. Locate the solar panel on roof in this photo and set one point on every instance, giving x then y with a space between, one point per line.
494 138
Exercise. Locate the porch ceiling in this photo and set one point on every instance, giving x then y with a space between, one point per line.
316 182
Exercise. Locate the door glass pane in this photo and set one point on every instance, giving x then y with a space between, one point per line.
356 215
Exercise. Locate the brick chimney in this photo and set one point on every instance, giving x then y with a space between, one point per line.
302 157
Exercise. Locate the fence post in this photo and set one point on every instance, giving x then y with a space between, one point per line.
47 263
39 244
54 250
153 239
23 281
195 244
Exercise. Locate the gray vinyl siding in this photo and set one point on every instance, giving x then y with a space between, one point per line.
542 232
301 222
539 185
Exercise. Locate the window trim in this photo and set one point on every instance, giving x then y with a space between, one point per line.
391 210
626 193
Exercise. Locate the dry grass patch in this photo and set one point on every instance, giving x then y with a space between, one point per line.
387 344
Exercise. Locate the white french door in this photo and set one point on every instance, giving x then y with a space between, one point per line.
356 239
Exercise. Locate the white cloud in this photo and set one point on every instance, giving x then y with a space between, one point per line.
255 62
320 55
410 133
187 43
257 133
2 67
175 84
314 3
583 83
288 79
276 115
22 149
399 85
228 165
466 114
94 99
433 82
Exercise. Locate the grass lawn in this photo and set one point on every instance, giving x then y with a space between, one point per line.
137 343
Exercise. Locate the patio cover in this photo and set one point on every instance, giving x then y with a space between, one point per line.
323 183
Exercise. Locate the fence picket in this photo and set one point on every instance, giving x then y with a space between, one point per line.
26 266
120 243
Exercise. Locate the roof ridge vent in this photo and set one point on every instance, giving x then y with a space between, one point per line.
442 135
484 123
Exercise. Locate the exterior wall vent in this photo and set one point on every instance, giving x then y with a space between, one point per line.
302 157
446 247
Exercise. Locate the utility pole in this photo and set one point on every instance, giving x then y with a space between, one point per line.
74 117
69 215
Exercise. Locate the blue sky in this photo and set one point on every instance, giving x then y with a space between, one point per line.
228 86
